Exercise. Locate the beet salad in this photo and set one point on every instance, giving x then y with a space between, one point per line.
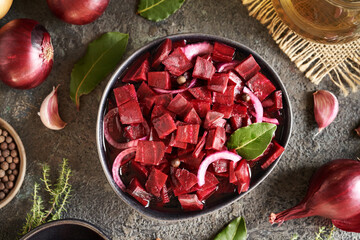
190 124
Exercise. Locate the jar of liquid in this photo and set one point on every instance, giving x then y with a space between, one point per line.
324 21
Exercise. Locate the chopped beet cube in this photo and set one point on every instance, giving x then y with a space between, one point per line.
236 122
248 68
181 43
191 162
140 169
224 109
138 192
190 202
124 94
203 69
192 117
201 93
260 86
225 98
246 121
174 143
275 152
144 91
199 147
184 181
216 139
155 182
220 166
219 123
141 73
146 105
242 174
163 99
268 102
164 125
197 49
201 107
188 133
159 110
232 177
218 82
277 99
130 113
177 63
223 52
133 70
161 53
183 152
239 110
234 79
204 194
164 194
210 180
159 80
212 117
150 152
179 105
135 131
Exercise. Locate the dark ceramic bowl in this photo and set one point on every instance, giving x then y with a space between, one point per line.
67 229
283 134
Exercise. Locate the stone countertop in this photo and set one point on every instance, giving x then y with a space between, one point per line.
94 200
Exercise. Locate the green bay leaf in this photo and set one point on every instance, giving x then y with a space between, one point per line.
102 56
251 141
235 230
157 10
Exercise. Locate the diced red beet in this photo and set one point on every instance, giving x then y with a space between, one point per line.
224 109
140 169
124 94
232 167
159 80
201 93
163 99
155 182
190 202
216 139
179 105
132 72
222 52
275 152
181 43
150 152
225 98
278 103
236 122
174 143
220 166
203 69
197 49
146 105
164 125
192 117
141 73
227 66
235 80
130 113
218 82
191 162
199 147
177 63
211 117
138 192
219 123
242 173
260 86
188 133
185 180
248 68
239 110
186 95
228 128
268 102
164 194
204 194
246 121
159 110
144 91
162 53
135 131
201 107
189 149
168 149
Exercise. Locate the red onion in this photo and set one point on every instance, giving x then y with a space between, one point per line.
259 110
334 193
117 164
79 12
160 90
26 54
271 120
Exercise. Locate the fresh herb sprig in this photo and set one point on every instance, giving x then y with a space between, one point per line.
325 233
59 195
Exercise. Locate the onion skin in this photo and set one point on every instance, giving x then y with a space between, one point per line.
334 192
78 12
26 54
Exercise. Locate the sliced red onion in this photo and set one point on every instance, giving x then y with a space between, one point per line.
160 90
197 49
117 164
271 120
227 66
259 110
213 158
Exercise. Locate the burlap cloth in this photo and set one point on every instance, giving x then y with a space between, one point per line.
340 62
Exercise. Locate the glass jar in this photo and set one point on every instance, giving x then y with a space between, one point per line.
324 21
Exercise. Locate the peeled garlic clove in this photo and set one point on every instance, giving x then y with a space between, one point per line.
49 112
326 107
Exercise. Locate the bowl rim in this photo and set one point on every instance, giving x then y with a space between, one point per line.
68 221
124 65
22 168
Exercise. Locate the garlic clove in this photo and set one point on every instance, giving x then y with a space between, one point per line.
326 107
49 112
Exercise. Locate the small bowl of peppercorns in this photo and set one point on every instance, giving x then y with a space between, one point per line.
12 163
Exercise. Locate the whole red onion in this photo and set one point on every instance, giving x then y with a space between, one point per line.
26 53
334 192
79 12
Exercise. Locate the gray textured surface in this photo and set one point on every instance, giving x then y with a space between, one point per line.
93 199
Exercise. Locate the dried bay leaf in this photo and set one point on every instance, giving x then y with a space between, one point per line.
235 230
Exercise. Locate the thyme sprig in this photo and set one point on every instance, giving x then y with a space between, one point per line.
59 195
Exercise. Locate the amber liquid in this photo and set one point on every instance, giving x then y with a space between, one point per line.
325 21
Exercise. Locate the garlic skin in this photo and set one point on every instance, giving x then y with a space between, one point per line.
49 112
326 108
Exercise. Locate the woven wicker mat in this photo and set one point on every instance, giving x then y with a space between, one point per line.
341 62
